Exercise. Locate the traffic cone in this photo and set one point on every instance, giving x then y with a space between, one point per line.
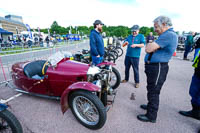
174 54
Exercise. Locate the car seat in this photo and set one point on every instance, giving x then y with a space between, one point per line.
35 68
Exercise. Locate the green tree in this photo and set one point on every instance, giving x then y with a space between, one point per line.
145 30
44 30
55 27
118 31
83 30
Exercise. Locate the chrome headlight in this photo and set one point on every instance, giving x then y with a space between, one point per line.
97 83
93 70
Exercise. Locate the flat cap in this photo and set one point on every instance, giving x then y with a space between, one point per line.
96 22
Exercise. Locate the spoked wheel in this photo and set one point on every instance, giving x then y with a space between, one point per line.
115 53
115 78
88 109
110 58
119 51
9 123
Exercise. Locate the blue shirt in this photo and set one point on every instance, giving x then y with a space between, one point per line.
134 52
167 41
96 43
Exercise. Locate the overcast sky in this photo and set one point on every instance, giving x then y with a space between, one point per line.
42 13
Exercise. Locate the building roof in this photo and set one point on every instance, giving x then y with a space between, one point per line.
2 31
9 16
11 21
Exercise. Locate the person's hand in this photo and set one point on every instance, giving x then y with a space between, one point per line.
133 45
124 44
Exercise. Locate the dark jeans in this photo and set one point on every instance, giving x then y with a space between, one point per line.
96 60
134 62
187 50
156 75
195 90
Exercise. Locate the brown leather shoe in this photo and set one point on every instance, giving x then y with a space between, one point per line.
136 85
124 81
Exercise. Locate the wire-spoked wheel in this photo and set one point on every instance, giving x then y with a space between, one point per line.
88 109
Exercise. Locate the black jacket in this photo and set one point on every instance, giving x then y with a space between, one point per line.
197 44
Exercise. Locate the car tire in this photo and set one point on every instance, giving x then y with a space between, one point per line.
6 117
116 74
92 102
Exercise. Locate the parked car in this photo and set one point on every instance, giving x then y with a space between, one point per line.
82 87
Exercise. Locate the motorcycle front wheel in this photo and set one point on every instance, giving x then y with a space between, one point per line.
115 78
9 123
88 109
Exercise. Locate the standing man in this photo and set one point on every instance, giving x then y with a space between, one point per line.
135 42
150 38
194 91
188 45
156 65
96 43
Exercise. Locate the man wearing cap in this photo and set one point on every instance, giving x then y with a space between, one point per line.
96 43
156 65
135 42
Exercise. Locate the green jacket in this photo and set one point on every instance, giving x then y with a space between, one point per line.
189 40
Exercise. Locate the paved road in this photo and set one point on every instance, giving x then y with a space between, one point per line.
39 115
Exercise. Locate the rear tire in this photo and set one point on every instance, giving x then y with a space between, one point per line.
84 105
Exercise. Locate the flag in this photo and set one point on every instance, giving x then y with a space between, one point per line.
29 31
38 30
48 32
17 30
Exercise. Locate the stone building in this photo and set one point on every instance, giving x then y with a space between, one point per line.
12 23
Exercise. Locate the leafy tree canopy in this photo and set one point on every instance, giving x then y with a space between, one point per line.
118 31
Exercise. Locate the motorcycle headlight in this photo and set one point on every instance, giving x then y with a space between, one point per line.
97 83
93 70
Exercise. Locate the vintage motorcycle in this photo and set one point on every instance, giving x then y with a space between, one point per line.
8 122
82 87
84 56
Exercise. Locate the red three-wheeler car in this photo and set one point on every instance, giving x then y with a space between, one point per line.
87 90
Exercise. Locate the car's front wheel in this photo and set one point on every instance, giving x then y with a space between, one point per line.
88 109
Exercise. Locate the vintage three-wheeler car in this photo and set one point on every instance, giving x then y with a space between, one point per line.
87 90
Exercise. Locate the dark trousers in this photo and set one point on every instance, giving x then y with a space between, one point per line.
156 75
187 50
96 60
195 90
134 62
